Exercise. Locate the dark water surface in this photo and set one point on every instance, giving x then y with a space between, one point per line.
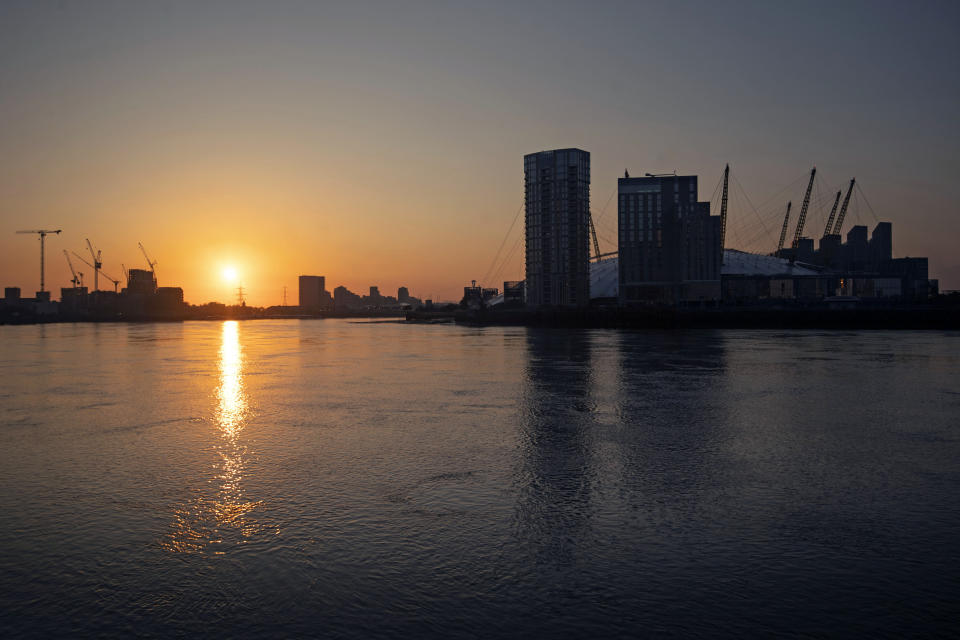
344 480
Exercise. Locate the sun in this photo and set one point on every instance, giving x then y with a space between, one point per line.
229 274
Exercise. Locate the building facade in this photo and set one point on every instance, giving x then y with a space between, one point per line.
557 197
669 244
312 290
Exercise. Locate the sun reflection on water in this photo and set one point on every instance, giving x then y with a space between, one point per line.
233 404
211 522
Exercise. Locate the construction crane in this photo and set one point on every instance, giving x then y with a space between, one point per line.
126 276
783 231
83 260
843 208
803 210
833 212
150 262
596 245
723 207
43 235
96 265
75 280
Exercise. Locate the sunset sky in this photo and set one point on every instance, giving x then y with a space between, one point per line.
379 146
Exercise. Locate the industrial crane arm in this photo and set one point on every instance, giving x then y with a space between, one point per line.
72 270
783 231
723 207
150 262
596 245
833 213
84 261
843 209
803 210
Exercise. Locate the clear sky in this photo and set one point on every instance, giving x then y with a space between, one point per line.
379 145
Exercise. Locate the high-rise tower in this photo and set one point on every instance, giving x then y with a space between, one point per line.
669 246
557 187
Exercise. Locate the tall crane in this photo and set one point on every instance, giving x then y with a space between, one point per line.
723 207
783 231
843 208
152 263
803 210
75 280
833 212
96 265
43 235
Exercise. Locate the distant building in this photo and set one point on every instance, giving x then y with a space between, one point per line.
312 292
881 245
557 196
346 300
669 244
403 295
513 292
856 250
914 275
141 281
170 296
73 299
472 295
168 301
11 293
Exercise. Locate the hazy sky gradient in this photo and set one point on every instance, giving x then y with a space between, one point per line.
383 146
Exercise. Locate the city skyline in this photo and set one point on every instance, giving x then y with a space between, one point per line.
443 320
276 144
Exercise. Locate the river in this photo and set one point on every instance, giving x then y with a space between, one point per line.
343 479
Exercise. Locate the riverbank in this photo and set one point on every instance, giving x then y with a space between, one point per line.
942 318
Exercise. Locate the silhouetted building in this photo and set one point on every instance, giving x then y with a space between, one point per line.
472 295
403 295
804 251
913 273
170 296
830 253
73 299
557 192
168 302
11 293
312 292
881 245
346 300
513 292
856 249
141 281
669 244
